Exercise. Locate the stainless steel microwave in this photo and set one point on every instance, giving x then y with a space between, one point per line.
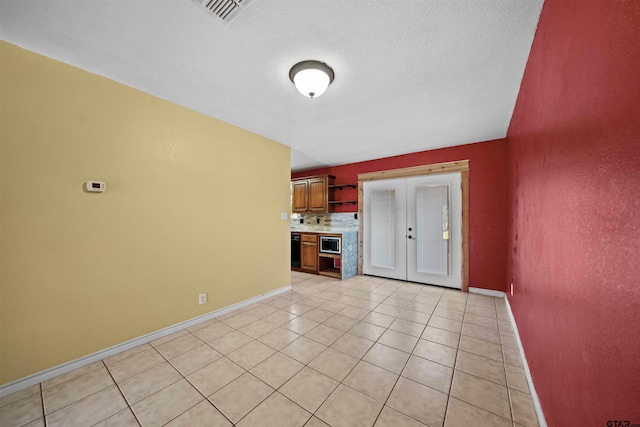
330 245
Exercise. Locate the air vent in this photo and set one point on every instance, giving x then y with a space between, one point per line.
226 10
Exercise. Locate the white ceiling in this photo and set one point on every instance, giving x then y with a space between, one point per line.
411 75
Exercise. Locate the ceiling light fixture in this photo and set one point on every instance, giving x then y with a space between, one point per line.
311 77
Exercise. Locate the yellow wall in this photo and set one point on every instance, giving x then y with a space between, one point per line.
192 205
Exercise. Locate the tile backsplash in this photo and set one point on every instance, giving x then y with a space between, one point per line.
343 220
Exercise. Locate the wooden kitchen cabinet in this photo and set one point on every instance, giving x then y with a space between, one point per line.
311 194
309 253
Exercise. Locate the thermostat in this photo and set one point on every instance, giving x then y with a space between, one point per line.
95 186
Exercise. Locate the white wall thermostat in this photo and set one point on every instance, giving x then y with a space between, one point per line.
95 186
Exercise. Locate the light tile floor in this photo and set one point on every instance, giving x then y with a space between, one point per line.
364 352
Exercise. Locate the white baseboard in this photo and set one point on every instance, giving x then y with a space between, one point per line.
527 372
489 292
47 374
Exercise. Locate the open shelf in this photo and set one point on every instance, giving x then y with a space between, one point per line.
341 186
339 202
331 272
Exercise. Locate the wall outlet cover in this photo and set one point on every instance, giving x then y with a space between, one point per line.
202 299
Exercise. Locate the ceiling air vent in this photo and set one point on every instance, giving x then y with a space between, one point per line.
226 10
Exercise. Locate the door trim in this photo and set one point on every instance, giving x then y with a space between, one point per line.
461 166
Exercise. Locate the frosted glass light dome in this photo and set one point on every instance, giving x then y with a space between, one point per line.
311 78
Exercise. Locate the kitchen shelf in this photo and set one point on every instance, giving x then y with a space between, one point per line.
341 186
331 272
339 202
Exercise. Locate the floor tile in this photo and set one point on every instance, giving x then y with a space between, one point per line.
481 393
240 320
334 363
257 328
516 378
407 327
90 410
277 369
512 356
195 359
332 306
482 367
180 345
379 319
449 313
148 382
214 376
238 398
276 411
436 352
279 338
18 395
338 321
446 324
354 312
481 348
523 410
91 367
371 381
303 350
22 411
462 414
414 316
486 334
170 337
421 308
251 354
389 310
450 339
123 418
203 414
398 340
391 418
135 364
210 333
316 422
230 342
367 330
300 325
280 317
298 308
485 322
309 389
352 345
76 389
165 405
419 402
319 315
429 373
40 423
324 334
348 408
387 358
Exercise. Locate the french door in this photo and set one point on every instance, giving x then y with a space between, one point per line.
412 229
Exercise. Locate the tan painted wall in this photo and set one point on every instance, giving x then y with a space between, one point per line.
192 205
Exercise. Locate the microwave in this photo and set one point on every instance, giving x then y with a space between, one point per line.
330 245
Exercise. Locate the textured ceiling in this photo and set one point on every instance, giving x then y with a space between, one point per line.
411 75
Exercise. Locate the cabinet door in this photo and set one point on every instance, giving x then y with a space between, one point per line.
300 197
309 255
318 195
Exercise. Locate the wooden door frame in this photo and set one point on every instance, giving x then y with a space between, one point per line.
461 166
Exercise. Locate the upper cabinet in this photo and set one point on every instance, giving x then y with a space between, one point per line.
311 194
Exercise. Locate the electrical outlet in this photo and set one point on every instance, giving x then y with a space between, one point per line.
202 299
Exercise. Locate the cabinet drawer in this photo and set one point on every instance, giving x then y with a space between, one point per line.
309 238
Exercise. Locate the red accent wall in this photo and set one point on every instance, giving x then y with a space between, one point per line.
574 211
487 200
